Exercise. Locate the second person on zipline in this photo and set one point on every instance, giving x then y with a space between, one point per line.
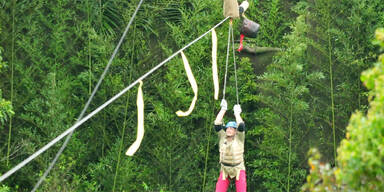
231 147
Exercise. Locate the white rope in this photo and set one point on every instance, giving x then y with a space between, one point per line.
234 63
80 122
42 178
226 61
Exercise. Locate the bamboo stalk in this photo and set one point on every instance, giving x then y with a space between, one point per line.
121 144
290 142
331 79
208 144
170 159
12 77
125 117
89 51
104 113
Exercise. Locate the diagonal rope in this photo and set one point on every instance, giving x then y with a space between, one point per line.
227 58
80 122
42 178
234 62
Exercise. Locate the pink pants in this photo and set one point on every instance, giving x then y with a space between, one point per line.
241 184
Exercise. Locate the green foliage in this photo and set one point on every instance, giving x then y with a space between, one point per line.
56 50
360 165
5 109
4 188
361 154
283 92
2 63
5 106
100 173
339 47
272 15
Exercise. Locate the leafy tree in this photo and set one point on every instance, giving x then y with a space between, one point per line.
6 111
284 89
341 59
359 155
273 17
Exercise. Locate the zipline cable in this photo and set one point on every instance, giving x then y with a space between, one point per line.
42 178
80 122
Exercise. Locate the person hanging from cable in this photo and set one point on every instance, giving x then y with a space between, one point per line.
231 135
231 148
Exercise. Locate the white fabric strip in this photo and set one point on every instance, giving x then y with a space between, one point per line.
193 83
214 65
140 122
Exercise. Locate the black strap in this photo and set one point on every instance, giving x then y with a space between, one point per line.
230 165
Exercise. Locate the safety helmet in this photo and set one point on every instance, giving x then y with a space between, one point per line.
231 124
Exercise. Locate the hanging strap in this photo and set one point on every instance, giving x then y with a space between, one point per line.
214 65
193 83
140 122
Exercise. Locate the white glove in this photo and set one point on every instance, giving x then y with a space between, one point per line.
237 109
224 105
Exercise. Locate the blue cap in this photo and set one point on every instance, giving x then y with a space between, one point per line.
231 124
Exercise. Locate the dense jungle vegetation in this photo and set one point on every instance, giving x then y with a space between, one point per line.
323 93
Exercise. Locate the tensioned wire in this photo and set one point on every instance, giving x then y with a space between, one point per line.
80 122
234 63
42 178
227 58
230 34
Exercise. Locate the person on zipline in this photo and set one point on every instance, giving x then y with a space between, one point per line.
231 147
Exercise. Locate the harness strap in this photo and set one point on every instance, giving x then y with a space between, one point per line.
230 165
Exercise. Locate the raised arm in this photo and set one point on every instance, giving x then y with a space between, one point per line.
220 115
239 120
